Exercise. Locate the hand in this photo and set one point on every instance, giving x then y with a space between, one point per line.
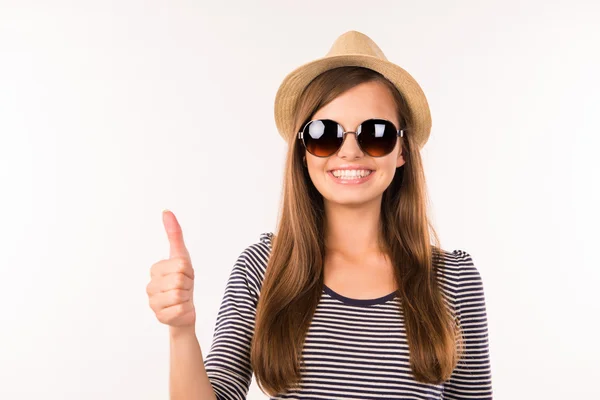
171 287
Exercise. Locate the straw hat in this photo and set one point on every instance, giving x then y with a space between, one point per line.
352 49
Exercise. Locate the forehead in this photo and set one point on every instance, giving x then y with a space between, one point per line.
362 102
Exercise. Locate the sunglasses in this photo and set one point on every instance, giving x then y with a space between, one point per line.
324 137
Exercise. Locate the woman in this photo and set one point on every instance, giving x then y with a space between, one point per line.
350 299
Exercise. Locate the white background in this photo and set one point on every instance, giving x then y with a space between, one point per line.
111 111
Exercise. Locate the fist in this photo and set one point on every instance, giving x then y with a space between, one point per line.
171 288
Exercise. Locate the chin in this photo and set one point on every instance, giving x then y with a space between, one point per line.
350 199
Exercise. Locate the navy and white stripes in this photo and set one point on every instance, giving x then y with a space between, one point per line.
354 349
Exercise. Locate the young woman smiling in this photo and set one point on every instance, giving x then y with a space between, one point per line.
353 297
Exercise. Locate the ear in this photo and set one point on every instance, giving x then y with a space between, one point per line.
400 160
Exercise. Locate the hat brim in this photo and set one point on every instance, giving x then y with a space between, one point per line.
293 84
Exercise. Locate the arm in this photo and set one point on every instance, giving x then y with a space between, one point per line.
472 377
228 362
188 378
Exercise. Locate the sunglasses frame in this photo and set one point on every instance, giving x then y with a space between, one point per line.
399 133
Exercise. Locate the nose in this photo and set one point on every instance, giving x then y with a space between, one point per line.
350 148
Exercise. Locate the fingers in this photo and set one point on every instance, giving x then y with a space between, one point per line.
160 301
173 265
175 280
178 315
175 235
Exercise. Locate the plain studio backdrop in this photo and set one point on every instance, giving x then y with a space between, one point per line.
112 111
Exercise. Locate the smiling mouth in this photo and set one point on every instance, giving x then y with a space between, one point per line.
351 174
350 178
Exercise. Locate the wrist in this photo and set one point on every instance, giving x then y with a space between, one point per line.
182 331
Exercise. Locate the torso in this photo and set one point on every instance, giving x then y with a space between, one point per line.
353 348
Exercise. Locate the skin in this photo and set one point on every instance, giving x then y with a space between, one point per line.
354 266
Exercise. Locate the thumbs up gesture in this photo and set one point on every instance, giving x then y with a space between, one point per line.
171 287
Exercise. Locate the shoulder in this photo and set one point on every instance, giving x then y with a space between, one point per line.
254 258
456 264
458 275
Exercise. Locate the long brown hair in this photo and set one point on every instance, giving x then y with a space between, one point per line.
293 281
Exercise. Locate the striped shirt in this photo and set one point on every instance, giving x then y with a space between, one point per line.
354 348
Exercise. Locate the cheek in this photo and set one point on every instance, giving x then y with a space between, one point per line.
316 165
389 163
317 172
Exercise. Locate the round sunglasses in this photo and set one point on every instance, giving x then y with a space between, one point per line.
324 137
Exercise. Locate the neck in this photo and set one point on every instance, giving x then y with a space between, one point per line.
352 229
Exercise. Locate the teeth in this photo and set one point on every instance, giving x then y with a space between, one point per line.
350 173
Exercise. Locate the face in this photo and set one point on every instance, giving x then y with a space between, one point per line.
365 101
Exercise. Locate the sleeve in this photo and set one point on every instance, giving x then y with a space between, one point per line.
228 361
472 377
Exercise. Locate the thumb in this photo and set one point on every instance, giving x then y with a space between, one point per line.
175 235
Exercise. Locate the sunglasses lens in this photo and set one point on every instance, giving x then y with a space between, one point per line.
323 137
377 137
